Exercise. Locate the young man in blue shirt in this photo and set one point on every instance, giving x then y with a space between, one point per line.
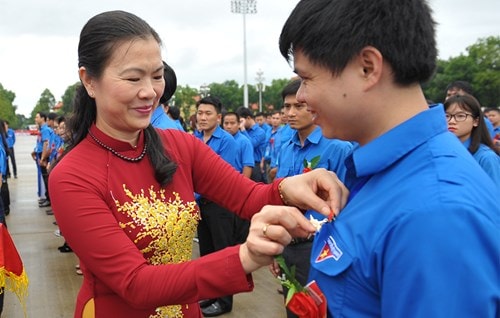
244 164
257 136
42 151
244 161
419 234
306 150
274 141
11 140
215 230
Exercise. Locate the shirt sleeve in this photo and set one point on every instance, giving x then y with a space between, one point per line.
109 255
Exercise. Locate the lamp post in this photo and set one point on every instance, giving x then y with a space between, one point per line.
204 90
260 86
244 7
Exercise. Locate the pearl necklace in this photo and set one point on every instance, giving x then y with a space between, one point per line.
119 155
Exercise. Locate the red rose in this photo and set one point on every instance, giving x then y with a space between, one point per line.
307 169
303 306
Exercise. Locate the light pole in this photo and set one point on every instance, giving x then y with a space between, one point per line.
204 90
260 86
244 7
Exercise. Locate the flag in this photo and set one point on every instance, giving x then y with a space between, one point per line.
13 278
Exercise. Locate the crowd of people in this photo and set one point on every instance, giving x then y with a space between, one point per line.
419 206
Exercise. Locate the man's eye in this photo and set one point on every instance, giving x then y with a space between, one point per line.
133 79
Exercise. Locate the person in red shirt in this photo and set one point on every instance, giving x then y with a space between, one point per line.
123 191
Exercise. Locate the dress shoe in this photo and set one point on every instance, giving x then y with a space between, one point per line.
206 302
65 248
214 310
44 204
49 212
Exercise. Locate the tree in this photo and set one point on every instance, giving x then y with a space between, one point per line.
272 95
7 108
45 103
67 98
184 98
229 92
480 67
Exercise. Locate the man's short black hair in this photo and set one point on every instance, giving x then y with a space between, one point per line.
331 32
211 100
463 85
244 112
290 88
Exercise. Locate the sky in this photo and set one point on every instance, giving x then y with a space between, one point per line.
202 40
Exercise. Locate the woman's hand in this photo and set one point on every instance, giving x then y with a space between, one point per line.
270 231
318 190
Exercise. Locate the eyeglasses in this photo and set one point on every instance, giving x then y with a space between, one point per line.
458 116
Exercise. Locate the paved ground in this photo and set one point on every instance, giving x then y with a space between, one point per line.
53 281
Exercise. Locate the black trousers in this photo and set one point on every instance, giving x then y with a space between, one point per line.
45 177
216 232
257 174
12 157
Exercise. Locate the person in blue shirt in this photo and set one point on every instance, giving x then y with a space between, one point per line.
273 138
493 115
215 229
42 152
244 164
257 135
419 235
5 195
159 118
11 140
174 113
466 121
55 139
261 120
244 161
306 150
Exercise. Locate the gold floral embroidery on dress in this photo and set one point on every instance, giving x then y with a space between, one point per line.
169 226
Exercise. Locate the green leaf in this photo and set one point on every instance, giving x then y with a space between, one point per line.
306 164
315 161
289 295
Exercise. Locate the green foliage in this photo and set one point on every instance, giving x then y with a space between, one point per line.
7 108
67 98
229 92
480 67
45 103
272 95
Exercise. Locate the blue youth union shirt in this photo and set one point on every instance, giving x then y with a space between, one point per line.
244 156
332 153
420 238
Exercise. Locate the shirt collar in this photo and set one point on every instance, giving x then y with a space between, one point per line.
313 138
217 132
386 149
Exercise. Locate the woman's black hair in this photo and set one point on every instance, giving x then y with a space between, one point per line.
98 39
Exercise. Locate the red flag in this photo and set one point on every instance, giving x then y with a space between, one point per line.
12 275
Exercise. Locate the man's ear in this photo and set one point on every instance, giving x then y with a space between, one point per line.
370 65
86 80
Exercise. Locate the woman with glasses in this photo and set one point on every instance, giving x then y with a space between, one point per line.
466 121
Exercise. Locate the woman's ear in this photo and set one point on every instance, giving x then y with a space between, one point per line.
86 80
475 123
